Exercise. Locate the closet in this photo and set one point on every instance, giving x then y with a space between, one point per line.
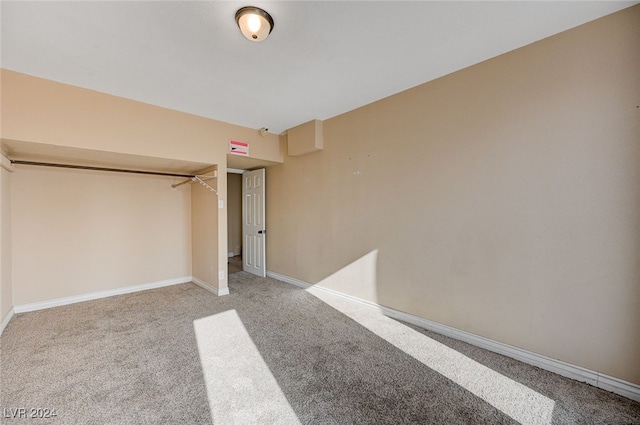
82 231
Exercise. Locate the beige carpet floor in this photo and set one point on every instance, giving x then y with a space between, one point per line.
269 353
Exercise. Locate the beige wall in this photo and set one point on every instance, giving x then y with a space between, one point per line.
77 232
6 294
204 235
503 200
42 111
234 211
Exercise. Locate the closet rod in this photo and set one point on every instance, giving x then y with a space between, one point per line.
83 167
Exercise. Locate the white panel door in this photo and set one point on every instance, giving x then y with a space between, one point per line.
253 225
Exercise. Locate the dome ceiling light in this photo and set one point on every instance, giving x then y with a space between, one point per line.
254 23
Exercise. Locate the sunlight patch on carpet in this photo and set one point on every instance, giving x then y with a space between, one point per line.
240 387
510 397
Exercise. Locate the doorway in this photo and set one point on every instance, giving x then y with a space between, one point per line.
246 228
254 230
234 222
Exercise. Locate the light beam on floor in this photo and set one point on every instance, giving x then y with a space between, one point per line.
240 387
510 397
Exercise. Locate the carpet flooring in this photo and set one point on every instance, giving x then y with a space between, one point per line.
269 353
234 265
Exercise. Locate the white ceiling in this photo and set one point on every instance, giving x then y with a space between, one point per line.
322 59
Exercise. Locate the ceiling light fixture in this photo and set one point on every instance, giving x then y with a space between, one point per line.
254 23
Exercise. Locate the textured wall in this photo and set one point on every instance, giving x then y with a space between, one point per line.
503 199
41 111
77 232
204 245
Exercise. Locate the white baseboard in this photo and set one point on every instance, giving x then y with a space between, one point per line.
203 284
96 295
618 386
230 254
6 320
24 308
597 379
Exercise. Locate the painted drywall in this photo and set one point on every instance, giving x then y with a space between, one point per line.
6 293
305 138
204 236
78 232
234 213
503 199
42 111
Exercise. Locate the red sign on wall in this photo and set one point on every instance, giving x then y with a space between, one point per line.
238 148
